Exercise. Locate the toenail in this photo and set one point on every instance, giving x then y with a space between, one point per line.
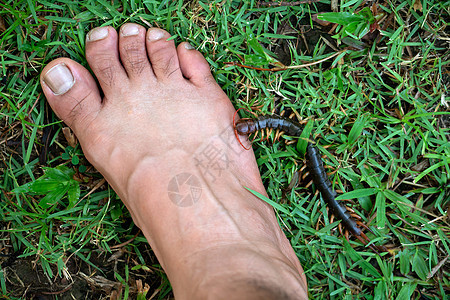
155 34
97 34
59 79
188 46
130 29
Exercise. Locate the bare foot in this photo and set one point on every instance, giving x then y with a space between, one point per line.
162 137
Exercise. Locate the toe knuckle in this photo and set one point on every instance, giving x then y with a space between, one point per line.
165 64
106 68
135 57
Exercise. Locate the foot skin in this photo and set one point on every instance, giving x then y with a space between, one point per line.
162 136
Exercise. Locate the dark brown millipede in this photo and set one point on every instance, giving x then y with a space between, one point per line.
314 162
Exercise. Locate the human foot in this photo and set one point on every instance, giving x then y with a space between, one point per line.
162 137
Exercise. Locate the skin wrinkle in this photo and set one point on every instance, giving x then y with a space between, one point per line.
290 273
75 113
115 154
106 68
208 80
167 71
284 248
206 283
105 101
265 288
232 218
149 159
165 64
213 249
211 220
173 72
108 75
135 58
249 276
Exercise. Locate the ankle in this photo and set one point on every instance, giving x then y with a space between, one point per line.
239 272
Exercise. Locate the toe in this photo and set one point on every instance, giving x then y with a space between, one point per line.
163 55
132 51
193 65
102 55
71 92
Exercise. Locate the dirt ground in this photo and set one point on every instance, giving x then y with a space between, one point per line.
25 278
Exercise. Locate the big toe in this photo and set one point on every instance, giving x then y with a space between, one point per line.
72 93
194 66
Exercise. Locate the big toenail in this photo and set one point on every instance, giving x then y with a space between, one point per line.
59 79
97 34
130 29
155 34
188 46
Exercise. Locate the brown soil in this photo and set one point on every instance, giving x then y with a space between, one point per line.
25 278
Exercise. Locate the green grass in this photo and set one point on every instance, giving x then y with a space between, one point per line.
380 114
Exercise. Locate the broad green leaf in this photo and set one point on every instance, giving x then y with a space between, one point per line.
73 193
380 204
59 173
116 212
380 290
351 29
305 138
356 257
54 184
364 201
23 188
407 291
369 175
444 240
51 198
328 227
342 263
256 46
391 195
356 30
261 57
350 3
357 129
32 6
46 266
445 161
404 257
255 59
419 266
44 185
350 252
367 14
357 194
342 18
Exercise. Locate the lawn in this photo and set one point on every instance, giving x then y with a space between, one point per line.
369 82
